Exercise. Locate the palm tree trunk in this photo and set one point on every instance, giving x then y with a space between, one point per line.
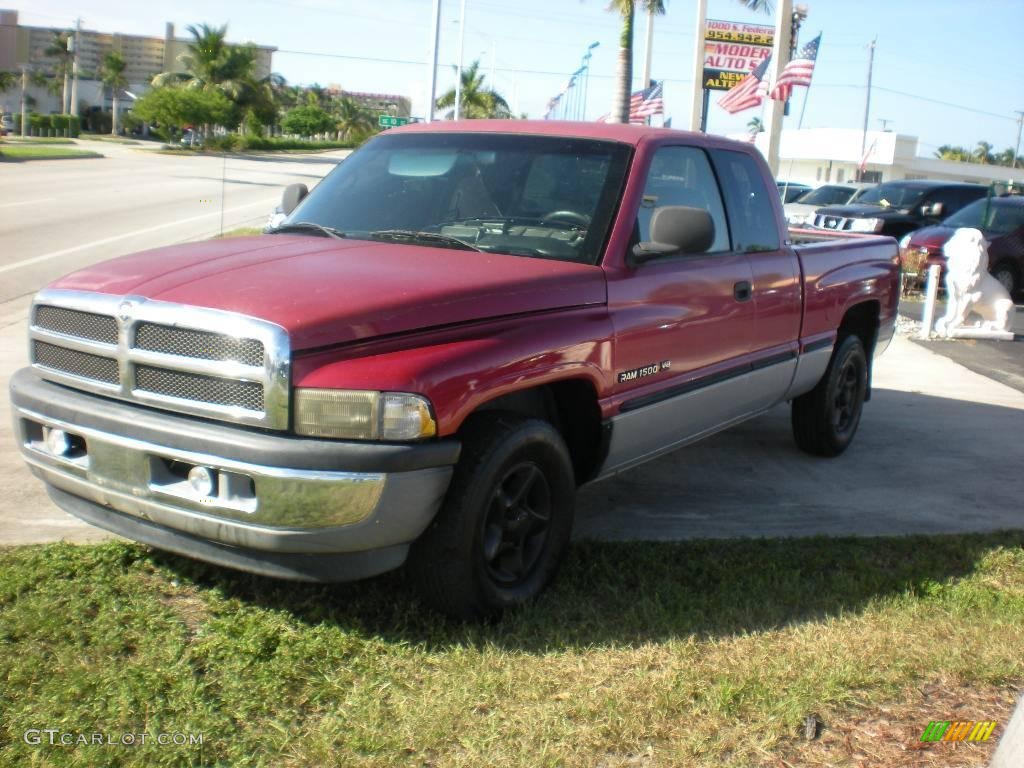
64 94
624 74
113 121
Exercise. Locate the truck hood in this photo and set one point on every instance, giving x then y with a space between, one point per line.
327 292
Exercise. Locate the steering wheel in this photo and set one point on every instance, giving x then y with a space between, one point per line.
566 217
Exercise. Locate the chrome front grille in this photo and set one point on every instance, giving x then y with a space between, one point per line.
195 386
835 223
202 345
190 359
75 363
70 322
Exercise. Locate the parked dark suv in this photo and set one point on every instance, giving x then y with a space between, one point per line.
898 207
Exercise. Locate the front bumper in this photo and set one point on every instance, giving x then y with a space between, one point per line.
282 505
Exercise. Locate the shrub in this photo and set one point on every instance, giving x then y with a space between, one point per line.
272 143
308 121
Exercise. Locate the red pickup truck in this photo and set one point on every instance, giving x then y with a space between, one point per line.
459 326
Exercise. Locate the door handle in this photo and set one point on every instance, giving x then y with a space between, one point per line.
742 291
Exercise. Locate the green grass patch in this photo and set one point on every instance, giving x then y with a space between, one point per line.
110 139
243 232
24 152
703 653
36 140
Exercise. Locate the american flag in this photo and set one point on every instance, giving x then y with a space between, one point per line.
643 104
798 71
749 93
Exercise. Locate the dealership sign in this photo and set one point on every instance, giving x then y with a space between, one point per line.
732 49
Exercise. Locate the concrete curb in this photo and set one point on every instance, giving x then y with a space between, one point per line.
1010 752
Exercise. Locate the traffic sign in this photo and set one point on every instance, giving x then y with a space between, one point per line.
391 121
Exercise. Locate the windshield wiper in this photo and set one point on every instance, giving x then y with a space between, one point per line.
309 226
408 235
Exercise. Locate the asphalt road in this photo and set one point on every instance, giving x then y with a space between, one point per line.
60 215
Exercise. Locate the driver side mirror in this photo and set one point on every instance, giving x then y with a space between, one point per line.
292 196
676 229
932 210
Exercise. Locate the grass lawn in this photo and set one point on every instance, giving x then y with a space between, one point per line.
28 152
243 232
704 653
111 139
37 140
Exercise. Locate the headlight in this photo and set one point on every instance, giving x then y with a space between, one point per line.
358 415
865 225
905 241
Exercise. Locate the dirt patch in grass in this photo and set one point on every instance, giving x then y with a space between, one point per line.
890 735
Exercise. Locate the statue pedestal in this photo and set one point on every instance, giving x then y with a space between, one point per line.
979 333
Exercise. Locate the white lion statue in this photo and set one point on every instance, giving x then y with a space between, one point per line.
971 292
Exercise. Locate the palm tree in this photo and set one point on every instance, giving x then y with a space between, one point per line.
8 80
1006 157
353 119
624 73
983 153
58 49
112 76
475 100
210 63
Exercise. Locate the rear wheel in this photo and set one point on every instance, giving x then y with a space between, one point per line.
826 418
505 523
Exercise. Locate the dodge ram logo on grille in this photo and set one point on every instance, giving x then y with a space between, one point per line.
124 311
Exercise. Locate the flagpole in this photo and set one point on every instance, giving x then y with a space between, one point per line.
867 110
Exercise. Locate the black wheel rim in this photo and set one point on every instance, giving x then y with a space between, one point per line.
847 401
517 523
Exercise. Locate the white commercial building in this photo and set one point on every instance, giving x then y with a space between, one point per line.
821 155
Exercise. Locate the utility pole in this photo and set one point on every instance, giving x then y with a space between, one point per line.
24 110
462 48
434 37
1020 126
65 94
781 53
74 67
698 101
648 49
867 111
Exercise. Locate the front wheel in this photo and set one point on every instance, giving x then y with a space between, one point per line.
505 523
826 418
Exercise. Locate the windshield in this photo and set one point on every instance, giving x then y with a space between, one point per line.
548 197
893 195
827 195
998 216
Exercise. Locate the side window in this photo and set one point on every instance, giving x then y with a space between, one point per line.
966 195
949 197
751 216
683 176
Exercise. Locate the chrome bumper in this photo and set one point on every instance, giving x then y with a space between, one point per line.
129 462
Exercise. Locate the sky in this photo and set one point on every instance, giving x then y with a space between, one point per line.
946 71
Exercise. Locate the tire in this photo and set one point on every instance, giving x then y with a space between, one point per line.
825 419
1007 277
505 523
